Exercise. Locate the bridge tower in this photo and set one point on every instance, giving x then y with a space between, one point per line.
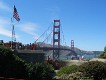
72 45
56 39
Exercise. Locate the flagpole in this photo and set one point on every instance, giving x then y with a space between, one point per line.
12 34
16 16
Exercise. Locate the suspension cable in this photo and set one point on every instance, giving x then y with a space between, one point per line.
63 36
43 33
46 38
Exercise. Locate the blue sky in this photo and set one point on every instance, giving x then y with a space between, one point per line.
83 21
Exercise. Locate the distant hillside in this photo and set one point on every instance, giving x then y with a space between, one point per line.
64 53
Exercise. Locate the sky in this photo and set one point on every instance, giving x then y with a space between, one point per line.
83 21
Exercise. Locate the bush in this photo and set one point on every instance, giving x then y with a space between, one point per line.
67 70
11 65
56 64
94 69
41 71
103 54
72 76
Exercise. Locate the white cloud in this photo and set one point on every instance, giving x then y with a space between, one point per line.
5 24
5 32
5 27
4 6
29 28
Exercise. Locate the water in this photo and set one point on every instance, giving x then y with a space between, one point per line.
89 56
85 56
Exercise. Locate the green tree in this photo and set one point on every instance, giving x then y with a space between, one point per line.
11 65
95 69
67 70
103 54
41 71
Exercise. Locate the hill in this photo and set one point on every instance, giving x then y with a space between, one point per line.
64 53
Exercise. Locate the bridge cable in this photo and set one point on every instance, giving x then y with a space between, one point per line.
45 39
43 33
64 42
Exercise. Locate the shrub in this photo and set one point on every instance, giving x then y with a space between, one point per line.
67 70
56 64
41 71
94 69
72 76
11 65
103 54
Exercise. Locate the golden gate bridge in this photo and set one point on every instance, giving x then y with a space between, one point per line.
56 42
55 34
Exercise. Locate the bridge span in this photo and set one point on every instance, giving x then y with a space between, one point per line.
54 48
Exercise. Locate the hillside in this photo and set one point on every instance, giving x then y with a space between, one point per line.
64 53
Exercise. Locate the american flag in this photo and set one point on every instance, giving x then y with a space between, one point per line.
15 14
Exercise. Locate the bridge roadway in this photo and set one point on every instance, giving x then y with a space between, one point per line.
51 48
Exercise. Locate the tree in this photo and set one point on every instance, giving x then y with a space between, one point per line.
103 54
95 69
11 65
41 71
67 70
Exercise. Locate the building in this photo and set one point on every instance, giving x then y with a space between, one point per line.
31 55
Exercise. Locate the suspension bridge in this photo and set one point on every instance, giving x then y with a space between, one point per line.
56 41
52 41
